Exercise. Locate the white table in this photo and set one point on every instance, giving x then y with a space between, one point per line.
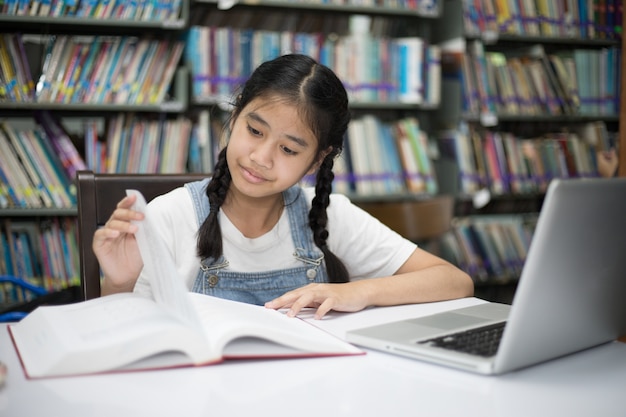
590 383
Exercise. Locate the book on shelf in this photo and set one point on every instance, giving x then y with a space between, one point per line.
51 59
67 57
21 180
68 153
361 171
130 70
176 328
531 81
507 163
490 247
373 156
146 145
75 68
565 70
415 182
151 74
565 18
29 165
15 70
456 147
57 180
420 146
8 248
80 85
42 252
159 90
410 69
373 68
473 262
395 179
131 75
10 76
478 67
432 75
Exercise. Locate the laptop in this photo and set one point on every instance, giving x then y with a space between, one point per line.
571 293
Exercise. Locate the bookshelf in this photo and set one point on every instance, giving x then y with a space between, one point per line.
500 71
435 23
375 101
43 119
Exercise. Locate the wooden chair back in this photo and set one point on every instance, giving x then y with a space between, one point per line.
98 195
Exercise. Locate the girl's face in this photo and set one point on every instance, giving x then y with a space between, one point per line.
270 148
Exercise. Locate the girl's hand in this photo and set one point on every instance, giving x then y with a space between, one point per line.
116 248
325 297
607 163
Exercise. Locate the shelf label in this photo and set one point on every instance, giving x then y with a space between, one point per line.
488 119
226 4
490 36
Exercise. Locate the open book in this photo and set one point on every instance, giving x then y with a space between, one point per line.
177 328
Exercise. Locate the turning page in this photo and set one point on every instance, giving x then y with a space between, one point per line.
168 291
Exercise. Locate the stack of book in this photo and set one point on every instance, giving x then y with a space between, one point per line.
584 19
505 163
374 69
142 10
38 165
42 252
107 70
528 81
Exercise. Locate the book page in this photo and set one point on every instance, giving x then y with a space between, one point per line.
101 334
168 290
246 330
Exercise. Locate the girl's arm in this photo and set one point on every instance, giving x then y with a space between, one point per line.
424 277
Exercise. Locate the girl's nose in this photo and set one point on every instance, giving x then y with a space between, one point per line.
262 154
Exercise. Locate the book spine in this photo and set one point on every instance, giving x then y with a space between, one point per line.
168 75
40 193
11 83
15 175
66 53
57 187
72 161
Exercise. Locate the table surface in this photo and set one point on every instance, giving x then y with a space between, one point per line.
589 383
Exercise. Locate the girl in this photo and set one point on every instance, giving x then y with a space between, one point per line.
251 234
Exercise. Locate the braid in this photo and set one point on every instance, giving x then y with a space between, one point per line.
210 234
318 220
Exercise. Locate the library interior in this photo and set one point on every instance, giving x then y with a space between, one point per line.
463 112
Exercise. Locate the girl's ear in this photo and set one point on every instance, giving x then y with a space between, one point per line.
322 155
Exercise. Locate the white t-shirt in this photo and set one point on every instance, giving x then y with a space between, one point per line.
367 247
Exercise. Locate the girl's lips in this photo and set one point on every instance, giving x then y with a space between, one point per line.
252 176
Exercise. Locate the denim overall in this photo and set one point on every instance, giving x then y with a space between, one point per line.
215 279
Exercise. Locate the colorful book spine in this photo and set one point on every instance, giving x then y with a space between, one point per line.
71 159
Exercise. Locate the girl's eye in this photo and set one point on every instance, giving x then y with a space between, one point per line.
253 131
288 151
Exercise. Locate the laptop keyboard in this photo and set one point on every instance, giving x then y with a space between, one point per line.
482 341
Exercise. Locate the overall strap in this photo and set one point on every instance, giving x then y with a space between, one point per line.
298 211
197 190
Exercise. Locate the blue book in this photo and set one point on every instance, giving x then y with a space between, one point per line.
192 57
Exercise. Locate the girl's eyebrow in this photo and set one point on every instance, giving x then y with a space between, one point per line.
299 141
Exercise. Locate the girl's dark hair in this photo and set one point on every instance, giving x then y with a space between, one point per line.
323 102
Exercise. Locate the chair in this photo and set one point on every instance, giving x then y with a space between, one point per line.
98 195
28 297
15 312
